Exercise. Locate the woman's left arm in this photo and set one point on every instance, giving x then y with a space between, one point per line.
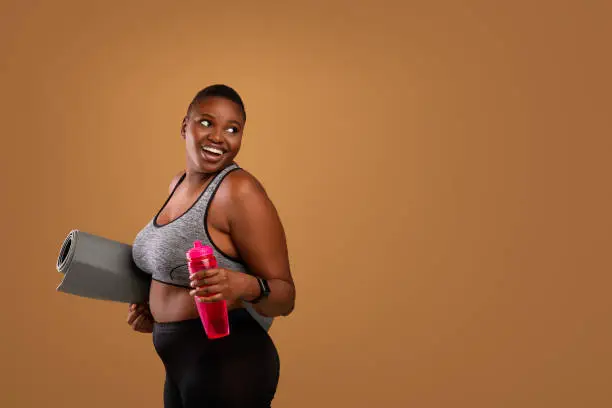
259 236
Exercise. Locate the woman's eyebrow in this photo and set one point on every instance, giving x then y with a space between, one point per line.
214 117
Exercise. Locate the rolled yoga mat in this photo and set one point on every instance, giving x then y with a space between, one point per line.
99 268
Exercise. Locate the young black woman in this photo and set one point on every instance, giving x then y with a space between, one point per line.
222 205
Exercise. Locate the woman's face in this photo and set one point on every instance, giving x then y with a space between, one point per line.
213 134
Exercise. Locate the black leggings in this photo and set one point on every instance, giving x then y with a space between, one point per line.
240 370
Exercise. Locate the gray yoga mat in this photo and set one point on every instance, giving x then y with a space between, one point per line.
99 268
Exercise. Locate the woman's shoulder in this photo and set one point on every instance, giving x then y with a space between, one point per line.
241 182
241 188
246 202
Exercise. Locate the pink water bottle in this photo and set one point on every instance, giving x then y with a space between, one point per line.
213 314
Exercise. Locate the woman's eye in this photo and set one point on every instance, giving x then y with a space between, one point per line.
232 130
205 122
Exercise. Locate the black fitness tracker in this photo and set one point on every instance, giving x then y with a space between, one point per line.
264 290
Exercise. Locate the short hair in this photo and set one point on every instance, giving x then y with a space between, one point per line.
221 91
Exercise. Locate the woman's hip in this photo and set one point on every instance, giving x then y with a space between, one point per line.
185 340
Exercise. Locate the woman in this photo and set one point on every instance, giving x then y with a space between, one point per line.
222 205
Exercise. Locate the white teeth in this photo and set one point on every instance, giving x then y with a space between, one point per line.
212 150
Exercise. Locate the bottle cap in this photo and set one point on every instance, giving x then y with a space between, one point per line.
199 251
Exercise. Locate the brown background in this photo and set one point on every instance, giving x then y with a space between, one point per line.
442 171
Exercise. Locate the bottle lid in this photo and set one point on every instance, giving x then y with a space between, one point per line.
198 250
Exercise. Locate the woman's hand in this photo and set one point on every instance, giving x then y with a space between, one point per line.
140 318
212 285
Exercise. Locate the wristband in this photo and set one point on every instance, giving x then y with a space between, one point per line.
264 290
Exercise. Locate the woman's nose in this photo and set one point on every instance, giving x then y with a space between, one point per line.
215 136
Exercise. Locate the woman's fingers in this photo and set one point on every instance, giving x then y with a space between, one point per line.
207 291
205 273
132 315
210 285
140 318
138 321
138 307
207 281
137 311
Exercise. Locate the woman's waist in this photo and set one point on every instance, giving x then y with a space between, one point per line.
169 303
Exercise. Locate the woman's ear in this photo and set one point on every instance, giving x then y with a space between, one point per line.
184 127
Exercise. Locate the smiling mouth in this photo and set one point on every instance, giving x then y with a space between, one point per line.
212 150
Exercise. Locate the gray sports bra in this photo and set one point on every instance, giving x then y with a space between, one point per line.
160 249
